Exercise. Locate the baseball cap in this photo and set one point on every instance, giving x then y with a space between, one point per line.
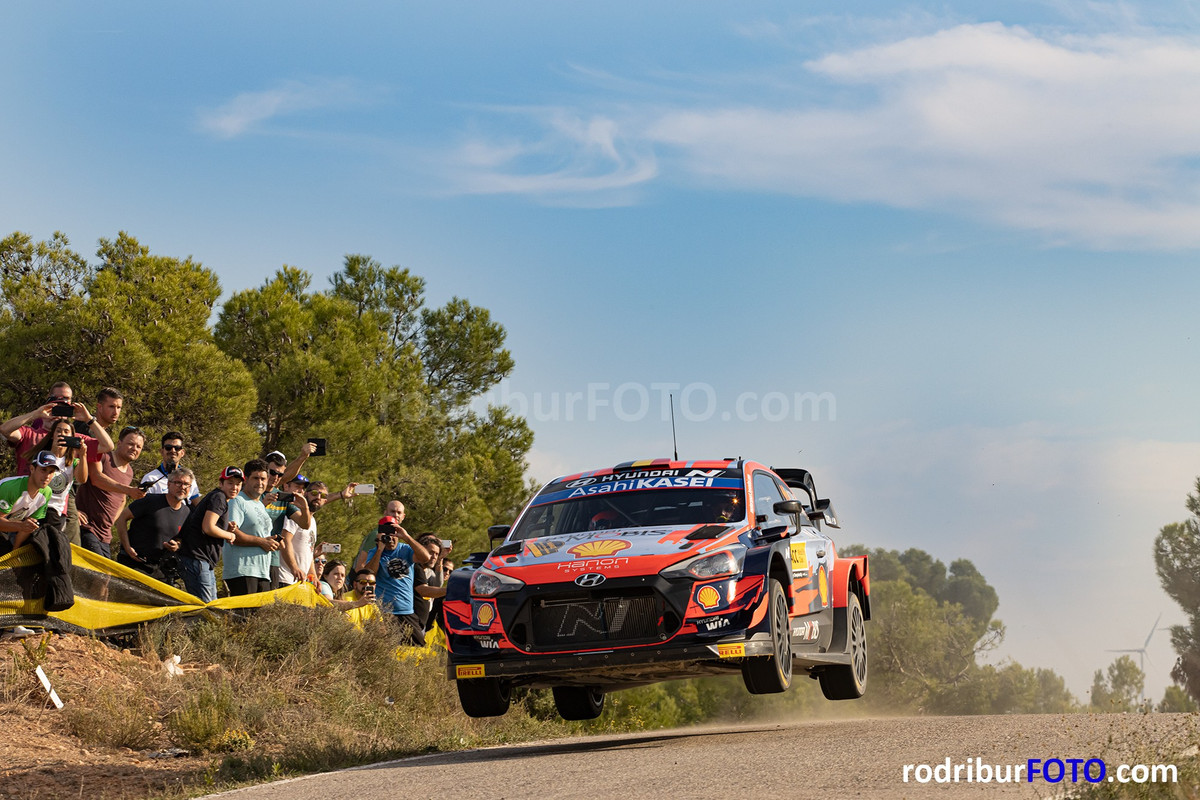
276 453
232 473
388 521
44 458
301 479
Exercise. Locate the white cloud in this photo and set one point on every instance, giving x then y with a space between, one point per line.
247 111
1090 139
572 156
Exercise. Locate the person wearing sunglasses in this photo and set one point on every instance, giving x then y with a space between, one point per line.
282 506
359 604
155 481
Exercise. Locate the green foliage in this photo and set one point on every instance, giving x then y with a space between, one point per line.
1119 688
365 364
134 321
1177 561
1175 700
929 627
388 383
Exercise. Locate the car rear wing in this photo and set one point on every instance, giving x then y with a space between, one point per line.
818 510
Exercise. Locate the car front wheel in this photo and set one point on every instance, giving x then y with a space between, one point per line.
773 673
484 697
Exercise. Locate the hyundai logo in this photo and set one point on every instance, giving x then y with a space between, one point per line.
590 580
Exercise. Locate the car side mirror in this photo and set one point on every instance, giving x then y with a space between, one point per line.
788 507
497 533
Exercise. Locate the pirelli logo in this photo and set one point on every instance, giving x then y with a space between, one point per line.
727 651
469 671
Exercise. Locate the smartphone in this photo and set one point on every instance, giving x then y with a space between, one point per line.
388 529
330 547
72 441
63 410
447 544
285 497
82 428
365 488
320 443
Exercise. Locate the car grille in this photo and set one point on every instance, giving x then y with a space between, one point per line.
601 621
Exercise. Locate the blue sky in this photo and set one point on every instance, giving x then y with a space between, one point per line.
966 231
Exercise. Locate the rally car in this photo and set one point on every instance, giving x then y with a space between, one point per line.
657 570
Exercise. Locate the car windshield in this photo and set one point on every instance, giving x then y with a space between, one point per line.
639 509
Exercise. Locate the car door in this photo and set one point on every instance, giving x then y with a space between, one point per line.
811 560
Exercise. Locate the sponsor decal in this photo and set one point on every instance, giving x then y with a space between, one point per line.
799 558
592 564
715 624
808 631
589 616
731 651
707 597
488 642
581 482
469 671
823 587
642 474
719 479
678 482
599 548
484 614
589 580
539 549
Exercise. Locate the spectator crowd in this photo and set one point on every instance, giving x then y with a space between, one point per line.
76 483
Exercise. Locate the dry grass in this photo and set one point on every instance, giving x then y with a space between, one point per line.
300 690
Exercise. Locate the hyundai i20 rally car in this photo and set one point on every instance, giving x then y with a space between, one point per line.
658 570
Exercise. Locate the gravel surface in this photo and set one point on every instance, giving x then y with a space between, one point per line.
862 758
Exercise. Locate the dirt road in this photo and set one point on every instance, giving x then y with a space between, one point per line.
848 758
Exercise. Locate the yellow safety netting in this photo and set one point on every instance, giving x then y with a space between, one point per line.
111 598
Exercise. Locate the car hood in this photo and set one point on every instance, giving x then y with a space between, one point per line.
623 551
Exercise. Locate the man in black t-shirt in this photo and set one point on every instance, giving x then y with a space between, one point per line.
148 527
203 533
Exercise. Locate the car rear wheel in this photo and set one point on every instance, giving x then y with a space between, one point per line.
849 682
578 702
484 697
773 673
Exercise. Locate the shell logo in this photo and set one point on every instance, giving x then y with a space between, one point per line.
484 615
599 548
823 588
708 597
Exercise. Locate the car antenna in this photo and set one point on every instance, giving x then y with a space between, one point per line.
674 441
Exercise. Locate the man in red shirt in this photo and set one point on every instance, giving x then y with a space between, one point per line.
102 498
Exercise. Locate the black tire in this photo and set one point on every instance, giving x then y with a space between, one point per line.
849 682
772 674
484 697
578 702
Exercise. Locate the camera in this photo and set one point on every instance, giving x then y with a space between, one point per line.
72 442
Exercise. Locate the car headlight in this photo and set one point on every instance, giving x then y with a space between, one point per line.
727 561
488 583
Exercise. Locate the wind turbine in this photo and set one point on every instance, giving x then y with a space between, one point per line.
1141 651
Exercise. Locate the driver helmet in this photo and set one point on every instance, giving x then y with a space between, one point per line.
603 521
